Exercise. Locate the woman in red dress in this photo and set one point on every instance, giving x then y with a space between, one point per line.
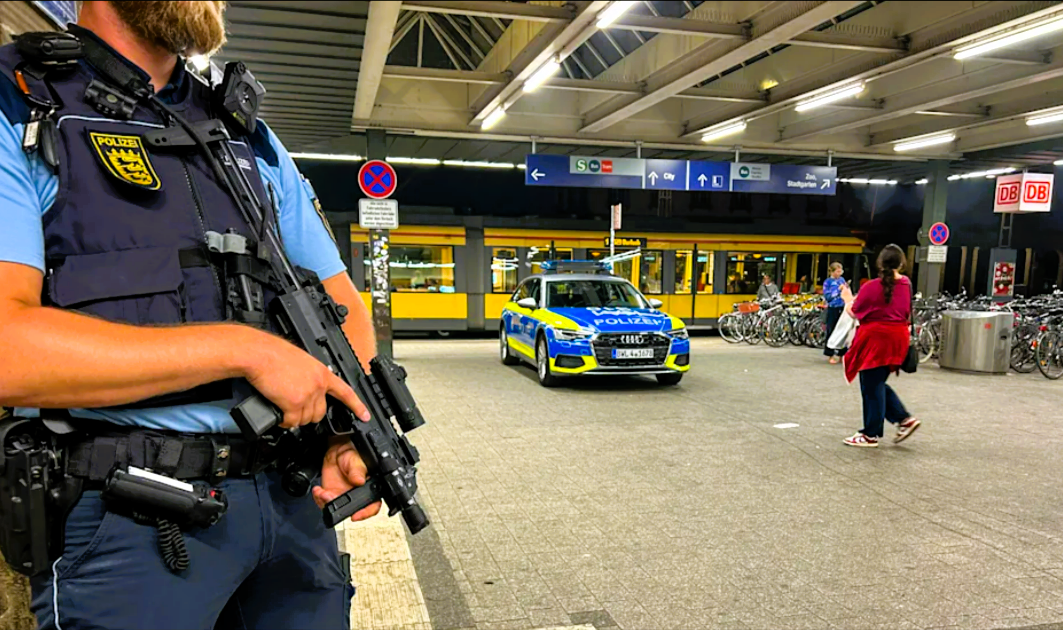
883 308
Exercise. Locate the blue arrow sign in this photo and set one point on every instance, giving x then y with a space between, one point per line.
658 174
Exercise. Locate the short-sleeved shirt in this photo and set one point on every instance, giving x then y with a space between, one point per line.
870 304
28 189
832 291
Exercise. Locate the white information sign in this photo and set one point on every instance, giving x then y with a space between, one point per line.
378 214
937 253
617 217
1024 192
750 172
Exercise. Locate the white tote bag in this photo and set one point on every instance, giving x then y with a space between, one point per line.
843 333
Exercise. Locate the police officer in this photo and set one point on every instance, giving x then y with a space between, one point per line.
107 299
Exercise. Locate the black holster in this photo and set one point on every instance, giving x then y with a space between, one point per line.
35 496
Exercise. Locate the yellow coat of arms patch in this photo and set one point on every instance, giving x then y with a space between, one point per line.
125 158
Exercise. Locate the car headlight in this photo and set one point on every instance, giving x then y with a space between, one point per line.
679 333
572 335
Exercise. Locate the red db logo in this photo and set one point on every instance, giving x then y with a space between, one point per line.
1036 192
1008 193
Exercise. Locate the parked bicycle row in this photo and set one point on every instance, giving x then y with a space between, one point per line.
1037 339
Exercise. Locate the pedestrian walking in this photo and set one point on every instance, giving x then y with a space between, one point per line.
832 293
883 308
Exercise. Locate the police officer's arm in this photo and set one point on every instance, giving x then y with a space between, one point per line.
54 358
308 240
359 324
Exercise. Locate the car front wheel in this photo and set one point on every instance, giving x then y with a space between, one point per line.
542 364
670 379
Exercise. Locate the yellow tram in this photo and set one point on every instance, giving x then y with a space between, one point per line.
458 277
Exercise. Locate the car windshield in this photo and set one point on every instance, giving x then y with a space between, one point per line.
591 293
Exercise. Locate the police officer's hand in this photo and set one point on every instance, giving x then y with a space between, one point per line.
298 383
343 469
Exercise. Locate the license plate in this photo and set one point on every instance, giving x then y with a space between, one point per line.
632 353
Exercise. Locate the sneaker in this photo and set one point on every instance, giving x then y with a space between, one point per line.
906 429
862 441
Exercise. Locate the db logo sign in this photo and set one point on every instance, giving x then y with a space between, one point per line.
1009 193
1036 192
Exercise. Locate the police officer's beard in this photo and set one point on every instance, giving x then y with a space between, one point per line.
183 28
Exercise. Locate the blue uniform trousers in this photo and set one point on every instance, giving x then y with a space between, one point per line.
269 564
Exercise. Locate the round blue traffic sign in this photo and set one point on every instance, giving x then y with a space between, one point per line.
377 179
939 234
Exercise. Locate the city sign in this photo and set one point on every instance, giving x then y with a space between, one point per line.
661 174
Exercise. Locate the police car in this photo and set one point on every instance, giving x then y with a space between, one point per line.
567 323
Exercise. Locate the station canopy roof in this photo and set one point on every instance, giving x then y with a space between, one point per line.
665 75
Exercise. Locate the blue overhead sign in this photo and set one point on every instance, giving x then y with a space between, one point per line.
657 174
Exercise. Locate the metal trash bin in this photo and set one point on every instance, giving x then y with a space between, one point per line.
976 341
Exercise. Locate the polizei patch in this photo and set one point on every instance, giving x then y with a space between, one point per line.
125 158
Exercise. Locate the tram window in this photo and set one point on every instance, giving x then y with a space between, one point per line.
421 269
504 264
744 271
536 255
651 273
684 271
705 270
803 269
622 269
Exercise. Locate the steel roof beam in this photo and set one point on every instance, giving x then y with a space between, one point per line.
405 24
466 36
579 85
941 94
553 40
486 8
447 44
378 35
683 26
924 51
706 61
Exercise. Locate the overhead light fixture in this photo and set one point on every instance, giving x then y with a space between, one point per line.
922 182
612 12
339 157
414 161
953 178
882 182
493 118
858 180
830 97
541 75
999 171
1058 163
726 130
925 142
1028 31
201 62
1044 119
478 164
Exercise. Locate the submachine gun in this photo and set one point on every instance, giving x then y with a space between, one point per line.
305 313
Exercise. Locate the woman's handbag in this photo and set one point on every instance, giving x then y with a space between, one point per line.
844 330
911 360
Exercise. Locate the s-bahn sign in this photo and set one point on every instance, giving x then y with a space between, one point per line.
1024 192
579 171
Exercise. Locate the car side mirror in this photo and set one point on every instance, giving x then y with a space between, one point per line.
529 303
655 303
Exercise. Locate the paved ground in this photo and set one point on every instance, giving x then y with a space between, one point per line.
623 504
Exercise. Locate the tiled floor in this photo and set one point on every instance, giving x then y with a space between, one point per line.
624 504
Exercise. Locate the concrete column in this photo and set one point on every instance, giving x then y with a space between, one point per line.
379 250
934 204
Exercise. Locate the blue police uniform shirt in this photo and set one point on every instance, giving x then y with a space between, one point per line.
28 189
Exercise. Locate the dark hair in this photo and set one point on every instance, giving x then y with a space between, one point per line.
890 259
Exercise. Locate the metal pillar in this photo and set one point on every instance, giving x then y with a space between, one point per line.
379 249
934 204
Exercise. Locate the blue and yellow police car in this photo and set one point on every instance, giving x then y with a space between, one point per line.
576 318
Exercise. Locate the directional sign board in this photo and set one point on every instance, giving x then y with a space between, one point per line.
660 174
938 234
377 179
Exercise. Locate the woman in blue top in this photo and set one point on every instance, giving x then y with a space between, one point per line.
832 293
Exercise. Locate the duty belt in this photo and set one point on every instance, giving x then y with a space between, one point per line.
186 457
